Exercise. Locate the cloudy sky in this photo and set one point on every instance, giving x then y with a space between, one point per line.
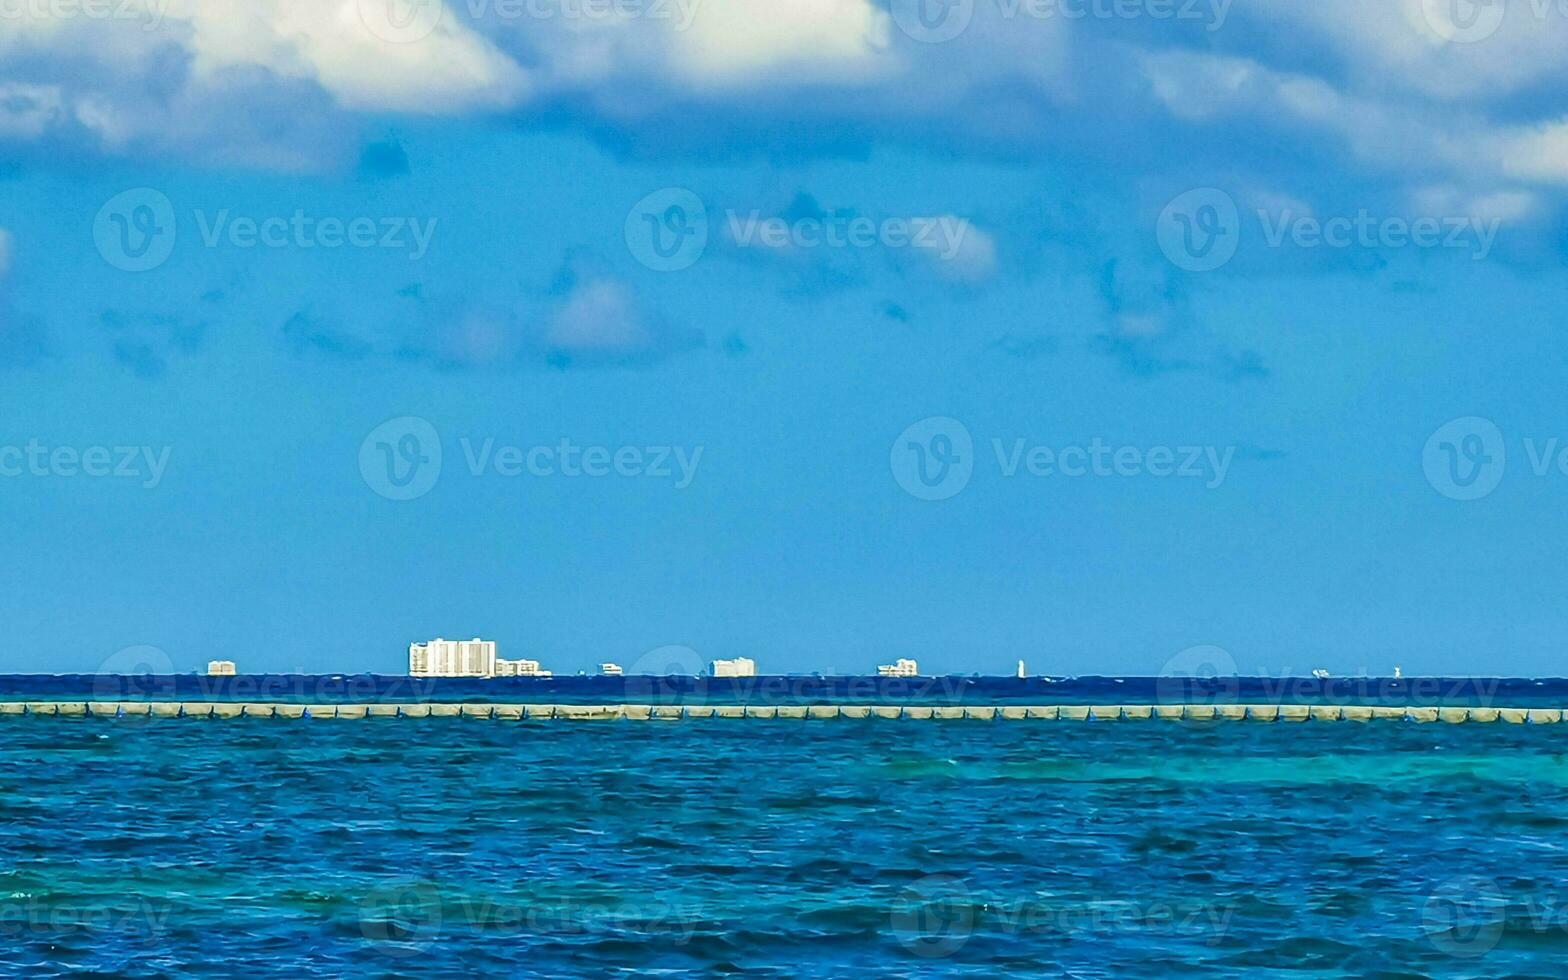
820 331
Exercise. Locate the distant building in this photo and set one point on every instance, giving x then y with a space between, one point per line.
903 668
739 667
452 658
520 668
220 668
1020 670
466 658
611 670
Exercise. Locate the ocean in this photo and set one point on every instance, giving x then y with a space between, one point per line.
376 848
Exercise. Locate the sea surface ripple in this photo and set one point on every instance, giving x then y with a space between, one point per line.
179 848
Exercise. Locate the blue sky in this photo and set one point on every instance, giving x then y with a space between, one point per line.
816 332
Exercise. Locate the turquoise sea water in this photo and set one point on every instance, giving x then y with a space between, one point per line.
891 848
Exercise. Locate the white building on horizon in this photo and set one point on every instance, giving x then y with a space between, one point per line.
520 668
466 658
220 668
904 667
739 667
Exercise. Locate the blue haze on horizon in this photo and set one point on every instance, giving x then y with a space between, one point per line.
1325 375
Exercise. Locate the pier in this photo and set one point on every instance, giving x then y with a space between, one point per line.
1286 713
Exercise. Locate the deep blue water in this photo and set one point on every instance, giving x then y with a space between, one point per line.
338 688
145 847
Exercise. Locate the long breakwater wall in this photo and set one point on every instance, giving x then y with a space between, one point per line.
675 712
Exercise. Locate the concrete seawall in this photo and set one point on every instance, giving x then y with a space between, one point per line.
1283 714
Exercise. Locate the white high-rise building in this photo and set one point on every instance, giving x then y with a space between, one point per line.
452 658
466 658
520 668
739 667
902 668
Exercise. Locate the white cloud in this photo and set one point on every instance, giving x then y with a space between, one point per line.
332 43
1420 45
956 249
280 83
1537 153
1401 137
738 41
598 317
1451 201
250 81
